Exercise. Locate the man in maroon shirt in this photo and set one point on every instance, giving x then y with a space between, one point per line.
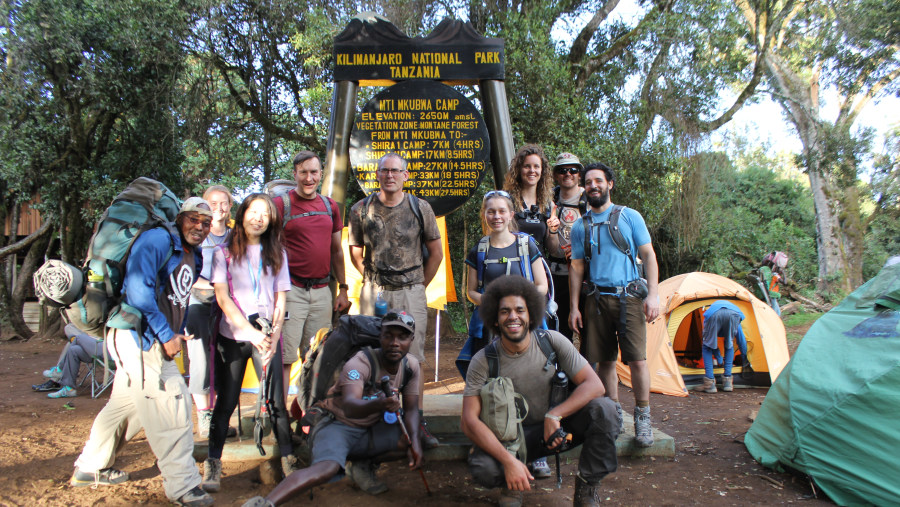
312 238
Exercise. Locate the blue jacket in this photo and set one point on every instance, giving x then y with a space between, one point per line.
144 279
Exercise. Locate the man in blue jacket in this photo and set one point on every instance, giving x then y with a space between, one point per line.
723 319
149 391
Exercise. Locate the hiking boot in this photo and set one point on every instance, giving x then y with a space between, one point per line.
195 498
105 477
212 475
727 383
643 431
509 498
258 501
429 441
540 469
65 392
53 374
746 369
586 494
290 464
620 418
50 385
362 473
709 386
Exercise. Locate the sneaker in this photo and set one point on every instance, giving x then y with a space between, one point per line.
50 385
105 477
540 469
65 392
258 501
643 431
510 498
362 473
620 418
429 441
586 494
53 374
212 475
708 386
289 464
195 498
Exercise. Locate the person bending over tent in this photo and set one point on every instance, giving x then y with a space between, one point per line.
721 319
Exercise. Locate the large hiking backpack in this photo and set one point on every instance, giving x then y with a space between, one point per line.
324 362
282 188
143 205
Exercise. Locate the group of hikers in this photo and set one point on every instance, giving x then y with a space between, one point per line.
257 287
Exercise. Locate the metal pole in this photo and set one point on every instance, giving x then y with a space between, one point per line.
496 113
437 344
337 155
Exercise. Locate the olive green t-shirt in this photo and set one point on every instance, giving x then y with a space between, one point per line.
527 373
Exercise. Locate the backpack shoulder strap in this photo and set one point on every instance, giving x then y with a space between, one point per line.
374 367
582 202
286 199
493 360
543 340
614 233
326 202
587 223
286 209
523 241
484 244
407 373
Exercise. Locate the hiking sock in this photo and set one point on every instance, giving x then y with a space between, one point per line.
645 403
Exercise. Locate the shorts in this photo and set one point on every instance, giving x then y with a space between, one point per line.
331 440
600 342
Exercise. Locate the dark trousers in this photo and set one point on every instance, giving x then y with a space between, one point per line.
594 427
561 296
230 363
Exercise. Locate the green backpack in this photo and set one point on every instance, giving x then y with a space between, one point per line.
503 410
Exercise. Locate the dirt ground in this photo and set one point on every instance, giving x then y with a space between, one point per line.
41 439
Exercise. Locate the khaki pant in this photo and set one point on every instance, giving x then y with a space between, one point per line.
309 311
154 397
412 300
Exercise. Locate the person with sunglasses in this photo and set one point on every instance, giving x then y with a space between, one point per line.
251 280
529 184
145 335
359 420
571 203
387 236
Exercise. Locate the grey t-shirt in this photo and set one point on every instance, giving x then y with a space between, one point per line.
527 372
392 238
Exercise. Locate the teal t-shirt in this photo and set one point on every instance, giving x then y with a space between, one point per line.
609 266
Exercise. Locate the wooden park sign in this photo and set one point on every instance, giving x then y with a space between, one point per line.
441 134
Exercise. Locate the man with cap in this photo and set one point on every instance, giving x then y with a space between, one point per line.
358 422
149 392
571 203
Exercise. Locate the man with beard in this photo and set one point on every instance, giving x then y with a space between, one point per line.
513 307
359 421
571 203
148 391
614 315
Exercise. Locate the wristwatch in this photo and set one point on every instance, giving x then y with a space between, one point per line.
343 286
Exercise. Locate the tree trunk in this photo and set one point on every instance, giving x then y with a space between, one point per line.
12 301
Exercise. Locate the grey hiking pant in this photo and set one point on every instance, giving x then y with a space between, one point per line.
594 427
156 399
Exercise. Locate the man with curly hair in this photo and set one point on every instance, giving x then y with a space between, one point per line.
512 307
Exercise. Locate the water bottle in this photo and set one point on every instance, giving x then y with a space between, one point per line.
559 388
381 306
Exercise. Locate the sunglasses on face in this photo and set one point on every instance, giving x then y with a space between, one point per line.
495 193
205 223
567 170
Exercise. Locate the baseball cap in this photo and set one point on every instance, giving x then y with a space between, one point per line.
196 204
399 319
566 158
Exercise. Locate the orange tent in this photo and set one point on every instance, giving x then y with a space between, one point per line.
674 338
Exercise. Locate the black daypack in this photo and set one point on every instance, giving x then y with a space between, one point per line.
323 364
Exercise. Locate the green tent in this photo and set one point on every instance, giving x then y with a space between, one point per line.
834 412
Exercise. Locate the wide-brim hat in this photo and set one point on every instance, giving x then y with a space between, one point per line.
567 158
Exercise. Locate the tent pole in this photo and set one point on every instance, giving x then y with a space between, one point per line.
437 344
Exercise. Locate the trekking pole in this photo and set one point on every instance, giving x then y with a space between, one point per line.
261 406
386 388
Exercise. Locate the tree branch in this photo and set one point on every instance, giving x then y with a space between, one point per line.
27 241
580 44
